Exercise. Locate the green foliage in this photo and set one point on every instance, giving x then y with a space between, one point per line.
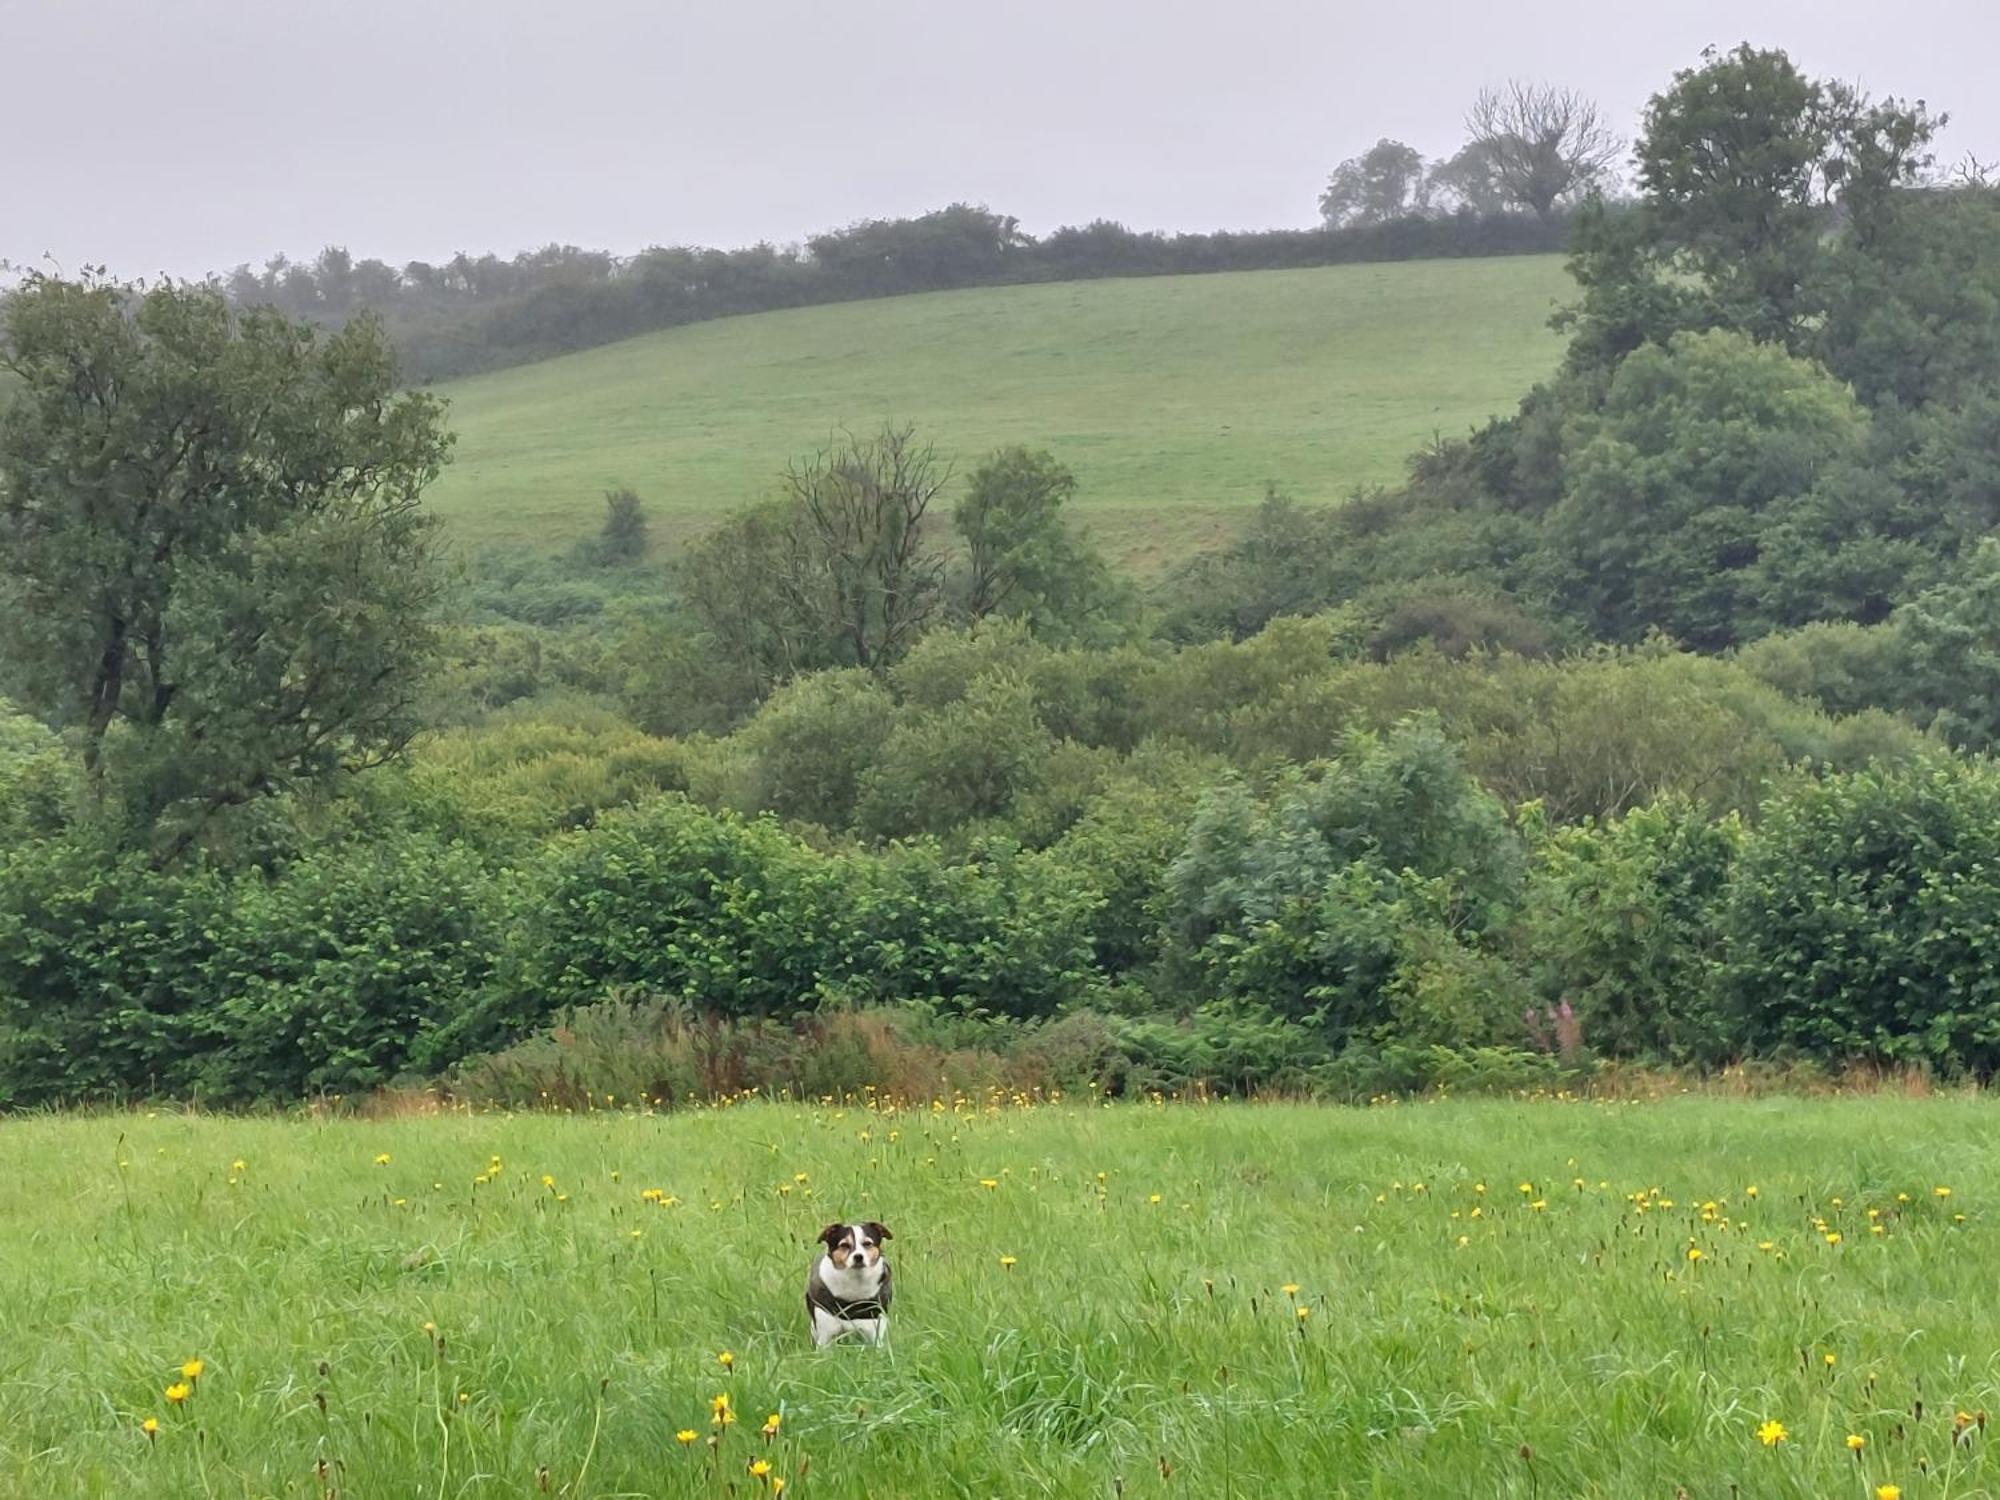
1023 560
1701 451
1622 922
1737 162
217 570
813 744
1860 919
120 981
956 764
37 792
625 533
1323 902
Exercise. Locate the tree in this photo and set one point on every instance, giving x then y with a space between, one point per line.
1541 145
218 574
1023 560
1741 162
1385 182
838 571
625 532
861 563
1469 181
1701 452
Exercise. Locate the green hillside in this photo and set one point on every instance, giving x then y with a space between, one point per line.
1175 399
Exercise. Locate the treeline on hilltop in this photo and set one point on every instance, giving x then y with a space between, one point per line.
485 312
1650 723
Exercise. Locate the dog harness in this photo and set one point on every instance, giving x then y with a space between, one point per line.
820 1296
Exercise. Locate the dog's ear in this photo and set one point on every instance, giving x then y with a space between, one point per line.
830 1236
879 1231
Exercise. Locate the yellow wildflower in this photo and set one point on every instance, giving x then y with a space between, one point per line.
1772 1433
1856 1442
685 1436
178 1392
191 1371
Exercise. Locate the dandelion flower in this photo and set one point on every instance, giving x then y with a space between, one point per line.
725 1359
1303 1312
1888 1492
1694 1253
685 1436
770 1428
1830 1360
191 1371
989 1183
178 1392
382 1159
548 1181
1856 1442
1290 1289
1008 1262
760 1467
1942 1192
1772 1433
151 1427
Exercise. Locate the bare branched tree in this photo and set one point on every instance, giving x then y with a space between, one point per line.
860 553
1543 143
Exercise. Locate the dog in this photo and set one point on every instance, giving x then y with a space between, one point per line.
848 1288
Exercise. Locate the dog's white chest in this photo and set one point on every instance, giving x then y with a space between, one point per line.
858 1303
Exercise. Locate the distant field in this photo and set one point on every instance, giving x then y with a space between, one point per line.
1463 1299
1175 399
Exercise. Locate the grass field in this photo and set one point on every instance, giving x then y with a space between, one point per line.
1232 1300
1175 399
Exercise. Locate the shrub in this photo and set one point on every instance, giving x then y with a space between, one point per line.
1622 920
118 980
1860 920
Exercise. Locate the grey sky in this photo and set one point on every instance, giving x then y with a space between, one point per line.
189 135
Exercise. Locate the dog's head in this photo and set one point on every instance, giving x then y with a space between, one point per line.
854 1247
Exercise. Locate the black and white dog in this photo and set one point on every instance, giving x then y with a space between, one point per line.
848 1289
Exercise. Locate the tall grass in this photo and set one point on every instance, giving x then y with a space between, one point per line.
535 1303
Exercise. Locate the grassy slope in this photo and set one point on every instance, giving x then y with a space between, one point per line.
1175 399
1581 1329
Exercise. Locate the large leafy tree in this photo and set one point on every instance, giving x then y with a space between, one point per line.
1704 451
1385 182
1023 560
1746 166
218 577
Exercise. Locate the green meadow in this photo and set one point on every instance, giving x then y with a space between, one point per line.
1175 399
1476 1298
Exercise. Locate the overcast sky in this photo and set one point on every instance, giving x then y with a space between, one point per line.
190 135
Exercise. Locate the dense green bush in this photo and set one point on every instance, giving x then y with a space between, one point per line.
1353 898
1860 920
119 980
1621 921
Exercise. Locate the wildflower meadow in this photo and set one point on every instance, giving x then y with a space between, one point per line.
1699 1297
